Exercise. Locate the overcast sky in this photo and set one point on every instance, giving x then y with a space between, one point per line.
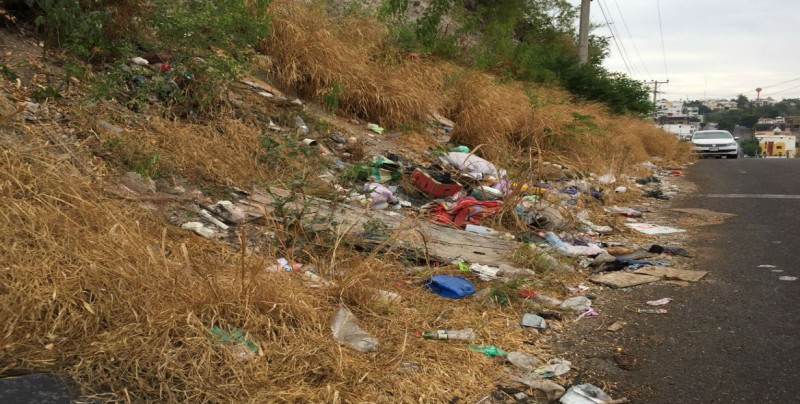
711 48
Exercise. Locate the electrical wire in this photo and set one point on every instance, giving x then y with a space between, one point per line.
614 38
615 31
661 31
636 48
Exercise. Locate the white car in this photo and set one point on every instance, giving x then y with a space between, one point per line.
716 143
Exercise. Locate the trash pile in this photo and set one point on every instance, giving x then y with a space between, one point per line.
568 220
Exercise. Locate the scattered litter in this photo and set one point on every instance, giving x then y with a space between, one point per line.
449 286
588 313
551 389
623 279
569 249
649 228
585 394
140 61
235 339
620 189
578 304
316 281
484 272
788 278
471 164
488 350
199 228
657 249
607 179
627 212
533 320
767 266
555 368
659 302
467 334
523 360
300 125
375 128
387 296
616 326
213 219
346 331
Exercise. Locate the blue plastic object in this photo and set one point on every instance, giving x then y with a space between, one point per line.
449 286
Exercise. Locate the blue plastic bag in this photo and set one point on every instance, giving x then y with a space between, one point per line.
452 287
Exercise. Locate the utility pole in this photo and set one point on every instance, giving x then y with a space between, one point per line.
583 34
655 88
655 92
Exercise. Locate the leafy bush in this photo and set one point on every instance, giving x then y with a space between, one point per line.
751 147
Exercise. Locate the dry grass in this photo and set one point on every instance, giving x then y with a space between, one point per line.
312 54
107 292
111 294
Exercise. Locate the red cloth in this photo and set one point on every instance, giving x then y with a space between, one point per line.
466 209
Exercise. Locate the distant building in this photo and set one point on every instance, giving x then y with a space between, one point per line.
793 123
777 143
763 102
684 131
772 121
721 105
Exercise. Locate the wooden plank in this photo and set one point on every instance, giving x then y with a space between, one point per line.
623 279
430 240
673 273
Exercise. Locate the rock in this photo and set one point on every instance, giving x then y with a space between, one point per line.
548 301
338 138
135 182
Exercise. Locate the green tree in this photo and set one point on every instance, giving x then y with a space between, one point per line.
742 101
750 147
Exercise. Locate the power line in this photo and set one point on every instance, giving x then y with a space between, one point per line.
661 30
784 90
614 38
625 24
615 31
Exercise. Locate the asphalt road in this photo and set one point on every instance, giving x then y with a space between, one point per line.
750 339
735 338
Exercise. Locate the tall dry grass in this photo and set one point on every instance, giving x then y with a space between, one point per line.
514 122
311 54
123 302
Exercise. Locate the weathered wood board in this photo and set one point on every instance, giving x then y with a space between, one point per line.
623 279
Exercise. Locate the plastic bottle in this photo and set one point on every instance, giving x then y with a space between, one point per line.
467 334
472 228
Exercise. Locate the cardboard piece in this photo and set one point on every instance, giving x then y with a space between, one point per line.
621 279
673 273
